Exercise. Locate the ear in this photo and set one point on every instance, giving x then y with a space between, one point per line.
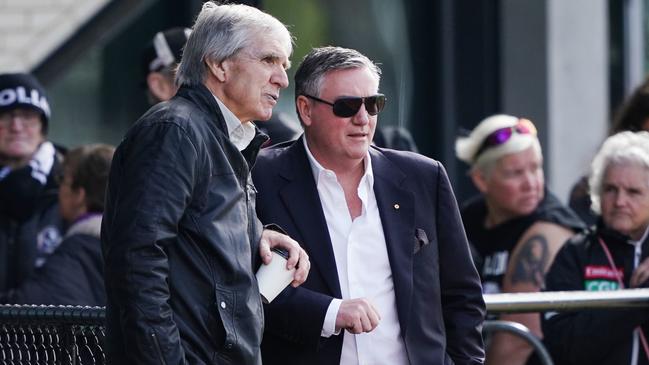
80 197
303 106
219 70
159 86
479 180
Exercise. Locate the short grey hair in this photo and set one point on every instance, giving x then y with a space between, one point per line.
619 149
220 32
320 61
467 148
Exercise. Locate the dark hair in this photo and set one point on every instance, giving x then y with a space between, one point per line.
633 112
88 167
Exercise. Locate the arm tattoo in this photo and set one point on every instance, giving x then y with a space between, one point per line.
529 265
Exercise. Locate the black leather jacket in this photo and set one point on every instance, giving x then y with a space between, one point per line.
180 240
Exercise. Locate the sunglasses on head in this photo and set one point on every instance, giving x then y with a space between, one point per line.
348 106
502 135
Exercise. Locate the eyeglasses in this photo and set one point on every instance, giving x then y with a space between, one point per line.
502 135
29 118
348 106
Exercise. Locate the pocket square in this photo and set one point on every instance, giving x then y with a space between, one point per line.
421 239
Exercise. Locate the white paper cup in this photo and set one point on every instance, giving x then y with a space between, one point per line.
274 277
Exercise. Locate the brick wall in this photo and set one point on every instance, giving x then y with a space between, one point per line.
32 29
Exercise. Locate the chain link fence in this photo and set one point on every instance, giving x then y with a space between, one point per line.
51 335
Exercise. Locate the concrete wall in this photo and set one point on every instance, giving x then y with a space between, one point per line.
578 88
554 66
31 29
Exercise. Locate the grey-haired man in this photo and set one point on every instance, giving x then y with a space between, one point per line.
180 237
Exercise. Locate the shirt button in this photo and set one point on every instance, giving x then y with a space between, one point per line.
223 305
228 345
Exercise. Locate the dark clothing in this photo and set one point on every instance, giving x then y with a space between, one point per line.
180 240
580 201
495 245
30 224
594 336
73 275
438 296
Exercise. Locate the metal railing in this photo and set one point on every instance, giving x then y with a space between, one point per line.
74 335
559 301
51 335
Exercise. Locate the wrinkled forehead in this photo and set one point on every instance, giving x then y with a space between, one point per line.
270 45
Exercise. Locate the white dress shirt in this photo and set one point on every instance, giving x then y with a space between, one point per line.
363 268
241 134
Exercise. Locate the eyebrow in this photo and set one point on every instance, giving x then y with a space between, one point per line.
276 57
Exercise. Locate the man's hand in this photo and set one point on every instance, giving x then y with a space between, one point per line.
297 257
640 275
357 316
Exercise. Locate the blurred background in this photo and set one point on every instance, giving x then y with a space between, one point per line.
447 64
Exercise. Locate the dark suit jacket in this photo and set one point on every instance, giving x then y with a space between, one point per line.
439 297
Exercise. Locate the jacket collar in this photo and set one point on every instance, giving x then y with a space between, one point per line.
205 101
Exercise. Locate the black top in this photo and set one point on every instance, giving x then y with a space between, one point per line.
600 335
493 246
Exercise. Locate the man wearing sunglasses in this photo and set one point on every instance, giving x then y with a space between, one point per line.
392 279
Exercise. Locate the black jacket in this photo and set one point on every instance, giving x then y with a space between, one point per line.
73 275
594 336
30 224
180 240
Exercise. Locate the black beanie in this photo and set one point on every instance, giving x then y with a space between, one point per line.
21 90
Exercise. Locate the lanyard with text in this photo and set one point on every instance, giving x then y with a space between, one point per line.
643 339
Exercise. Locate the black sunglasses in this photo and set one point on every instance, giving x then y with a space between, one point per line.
348 106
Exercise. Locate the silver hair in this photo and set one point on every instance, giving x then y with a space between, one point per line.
220 32
467 147
317 63
619 149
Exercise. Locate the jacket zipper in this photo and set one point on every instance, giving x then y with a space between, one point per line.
156 344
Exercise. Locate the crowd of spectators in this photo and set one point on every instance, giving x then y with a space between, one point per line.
521 236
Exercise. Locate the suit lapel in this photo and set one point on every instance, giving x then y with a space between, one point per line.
301 199
397 212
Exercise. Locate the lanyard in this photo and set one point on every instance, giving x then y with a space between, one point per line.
643 339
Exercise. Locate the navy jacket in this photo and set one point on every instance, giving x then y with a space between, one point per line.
439 297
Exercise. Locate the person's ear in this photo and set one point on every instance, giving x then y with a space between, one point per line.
80 197
159 86
220 70
479 180
304 106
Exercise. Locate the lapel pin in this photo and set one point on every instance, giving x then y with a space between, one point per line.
396 206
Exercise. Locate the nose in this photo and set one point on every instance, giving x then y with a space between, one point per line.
361 117
530 181
16 123
280 78
620 198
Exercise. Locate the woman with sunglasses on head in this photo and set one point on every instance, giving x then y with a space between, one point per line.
515 226
613 254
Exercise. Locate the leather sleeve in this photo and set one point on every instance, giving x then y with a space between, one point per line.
150 187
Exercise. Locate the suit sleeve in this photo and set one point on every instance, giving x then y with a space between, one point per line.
157 171
463 305
586 336
297 315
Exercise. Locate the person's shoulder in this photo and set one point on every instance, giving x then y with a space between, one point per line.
554 233
408 161
275 153
73 244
